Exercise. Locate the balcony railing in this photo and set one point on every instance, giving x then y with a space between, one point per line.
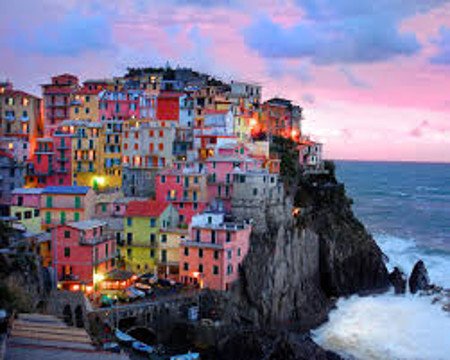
104 259
96 239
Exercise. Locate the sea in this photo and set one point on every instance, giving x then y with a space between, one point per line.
406 207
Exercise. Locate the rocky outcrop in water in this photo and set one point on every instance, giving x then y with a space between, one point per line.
419 279
295 269
398 280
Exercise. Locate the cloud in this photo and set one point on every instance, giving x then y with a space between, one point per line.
73 34
426 130
309 98
443 44
365 39
353 79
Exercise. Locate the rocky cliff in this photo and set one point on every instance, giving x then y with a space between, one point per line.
307 257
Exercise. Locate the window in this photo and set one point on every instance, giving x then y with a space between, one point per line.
49 201
152 222
200 268
76 216
161 147
77 202
36 212
239 251
255 191
229 269
164 238
230 254
215 270
86 110
228 236
18 215
197 236
213 236
67 234
48 217
163 179
63 217
28 214
129 238
186 266
163 255
200 253
129 221
216 255
186 251
152 253
67 252
129 253
195 206
178 180
152 239
103 207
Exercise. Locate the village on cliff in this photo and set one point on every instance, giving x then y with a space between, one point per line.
151 178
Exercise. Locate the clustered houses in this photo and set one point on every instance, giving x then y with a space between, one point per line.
163 171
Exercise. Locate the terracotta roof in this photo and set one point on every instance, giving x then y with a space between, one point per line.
18 93
145 208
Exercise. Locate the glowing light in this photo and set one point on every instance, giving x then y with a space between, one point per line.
10 146
98 278
76 287
253 122
294 133
196 274
89 288
99 180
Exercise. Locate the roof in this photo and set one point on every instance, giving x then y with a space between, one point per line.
27 191
87 224
145 208
6 154
18 93
170 94
118 275
69 190
215 112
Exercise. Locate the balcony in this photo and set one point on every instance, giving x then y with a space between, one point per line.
10 117
62 171
69 277
25 118
104 259
62 159
62 147
96 239
200 244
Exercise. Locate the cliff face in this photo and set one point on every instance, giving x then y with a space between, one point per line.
297 264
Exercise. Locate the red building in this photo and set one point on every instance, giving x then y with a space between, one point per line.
184 187
281 118
57 100
214 252
168 106
84 252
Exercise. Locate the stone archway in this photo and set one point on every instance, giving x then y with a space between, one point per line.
79 320
67 315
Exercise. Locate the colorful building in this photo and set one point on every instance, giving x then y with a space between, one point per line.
214 251
21 116
281 118
64 204
143 223
185 187
84 251
25 207
84 103
117 105
57 96
12 175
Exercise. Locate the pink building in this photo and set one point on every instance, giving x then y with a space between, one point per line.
214 252
27 197
184 187
231 159
119 105
83 251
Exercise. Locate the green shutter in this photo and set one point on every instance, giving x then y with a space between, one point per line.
76 216
49 201
103 207
63 217
77 202
48 218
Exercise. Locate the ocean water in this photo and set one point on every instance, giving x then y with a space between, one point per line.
406 207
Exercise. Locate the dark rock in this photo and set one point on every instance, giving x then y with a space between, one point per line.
398 280
419 279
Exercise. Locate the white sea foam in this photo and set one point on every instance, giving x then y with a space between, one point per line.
387 327
404 253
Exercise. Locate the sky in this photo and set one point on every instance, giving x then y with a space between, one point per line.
373 76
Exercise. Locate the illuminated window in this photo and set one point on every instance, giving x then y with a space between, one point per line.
161 147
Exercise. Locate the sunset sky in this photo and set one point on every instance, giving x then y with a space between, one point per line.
373 76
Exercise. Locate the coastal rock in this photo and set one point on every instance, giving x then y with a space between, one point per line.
398 280
295 268
273 346
419 279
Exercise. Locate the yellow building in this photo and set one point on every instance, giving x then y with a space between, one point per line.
112 152
169 252
84 103
143 223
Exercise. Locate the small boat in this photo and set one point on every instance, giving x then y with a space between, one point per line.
123 337
143 348
111 346
188 356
